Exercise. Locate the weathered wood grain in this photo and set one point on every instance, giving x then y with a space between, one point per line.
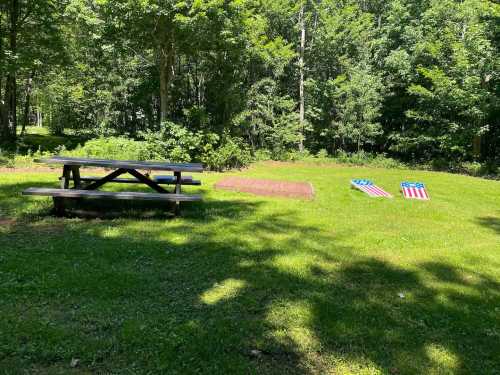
125 164
105 179
147 181
95 194
162 180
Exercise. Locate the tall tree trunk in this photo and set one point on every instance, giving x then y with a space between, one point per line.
167 59
11 87
27 103
39 117
3 114
302 25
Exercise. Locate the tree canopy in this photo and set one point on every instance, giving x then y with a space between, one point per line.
418 79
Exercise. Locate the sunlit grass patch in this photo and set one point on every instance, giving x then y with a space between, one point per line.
223 291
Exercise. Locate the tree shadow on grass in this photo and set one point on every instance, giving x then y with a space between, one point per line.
232 288
491 222
12 202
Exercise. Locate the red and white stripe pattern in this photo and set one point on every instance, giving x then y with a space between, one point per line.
369 188
414 190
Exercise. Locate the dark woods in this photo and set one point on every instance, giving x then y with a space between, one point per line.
417 79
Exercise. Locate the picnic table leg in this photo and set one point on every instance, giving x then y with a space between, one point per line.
75 170
58 206
59 202
177 191
66 176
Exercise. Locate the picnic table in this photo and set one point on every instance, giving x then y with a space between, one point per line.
86 186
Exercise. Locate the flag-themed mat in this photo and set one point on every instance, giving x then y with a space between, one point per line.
369 188
414 190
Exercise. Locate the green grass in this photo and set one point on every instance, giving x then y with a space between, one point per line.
314 287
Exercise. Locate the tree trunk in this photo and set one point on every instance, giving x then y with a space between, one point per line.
27 103
167 58
3 117
11 87
302 25
39 118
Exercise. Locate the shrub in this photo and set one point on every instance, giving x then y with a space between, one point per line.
6 158
232 153
111 148
175 143
322 154
262 155
365 158
293 155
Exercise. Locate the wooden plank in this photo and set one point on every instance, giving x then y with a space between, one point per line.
146 180
105 179
125 164
162 180
125 195
170 180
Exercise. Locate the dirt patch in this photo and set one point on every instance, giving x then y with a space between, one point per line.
270 188
5 222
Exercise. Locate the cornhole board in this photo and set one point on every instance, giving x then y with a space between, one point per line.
369 188
414 190
272 188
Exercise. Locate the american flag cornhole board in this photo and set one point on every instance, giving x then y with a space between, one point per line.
414 190
369 188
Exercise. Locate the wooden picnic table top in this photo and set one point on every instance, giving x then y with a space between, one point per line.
124 164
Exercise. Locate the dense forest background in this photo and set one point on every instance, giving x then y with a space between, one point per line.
415 79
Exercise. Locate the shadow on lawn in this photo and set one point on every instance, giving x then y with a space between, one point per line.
232 289
490 222
12 201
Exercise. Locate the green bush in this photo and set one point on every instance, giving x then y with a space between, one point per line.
365 158
232 153
262 155
294 155
111 148
176 143
6 158
322 154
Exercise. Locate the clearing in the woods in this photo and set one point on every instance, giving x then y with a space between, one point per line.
247 284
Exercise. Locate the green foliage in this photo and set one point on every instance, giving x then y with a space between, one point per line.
414 79
357 99
172 142
232 153
176 143
364 158
111 148
322 154
270 121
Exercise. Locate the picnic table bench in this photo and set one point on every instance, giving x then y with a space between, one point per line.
86 186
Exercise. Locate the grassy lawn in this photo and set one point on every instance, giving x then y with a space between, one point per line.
243 284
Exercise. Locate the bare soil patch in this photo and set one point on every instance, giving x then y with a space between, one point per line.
303 190
4 222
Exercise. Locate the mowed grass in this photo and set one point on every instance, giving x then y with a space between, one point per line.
344 284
